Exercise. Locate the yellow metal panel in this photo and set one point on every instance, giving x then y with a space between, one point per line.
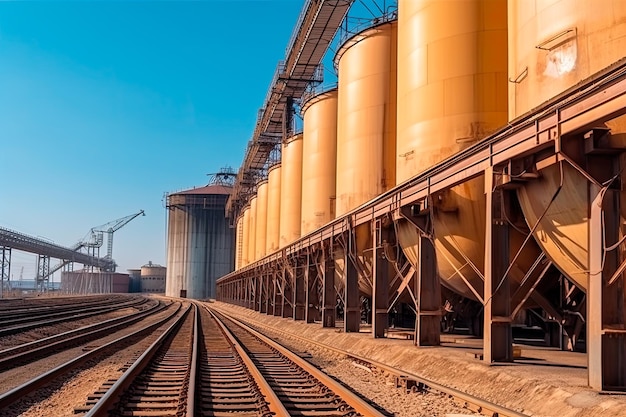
319 161
261 220
366 125
252 231
559 43
245 242
452 65
239 243
291 190
273 209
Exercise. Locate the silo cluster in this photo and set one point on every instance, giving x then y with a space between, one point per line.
415 91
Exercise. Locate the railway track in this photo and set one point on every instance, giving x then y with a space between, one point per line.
31 351
9 398
406 380
205 367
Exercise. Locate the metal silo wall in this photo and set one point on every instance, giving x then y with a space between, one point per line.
291 190
261 220
210 240
252 230
245 254
239 243
319 161
273 208
176 251
553 45
366 125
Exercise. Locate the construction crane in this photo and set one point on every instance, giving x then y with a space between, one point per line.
110 228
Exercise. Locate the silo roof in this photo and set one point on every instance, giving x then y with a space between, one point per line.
210 189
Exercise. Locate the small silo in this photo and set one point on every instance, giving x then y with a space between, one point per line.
261 220
152 278
319 159
291 190
200 241
366 124
245 240
239 242
273 208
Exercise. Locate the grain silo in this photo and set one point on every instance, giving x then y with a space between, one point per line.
245 238
252 228
261 220
153 278
554 45
273 208
319 160
291 190
200 241
366 124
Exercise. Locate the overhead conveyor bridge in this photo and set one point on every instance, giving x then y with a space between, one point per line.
313 33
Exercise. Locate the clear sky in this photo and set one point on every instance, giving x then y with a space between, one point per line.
105 106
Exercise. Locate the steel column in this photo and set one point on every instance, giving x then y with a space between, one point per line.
263 299
380 278
329 292
606 315
5 264
300 291
428 295
279 277
498 337
352 308
288 283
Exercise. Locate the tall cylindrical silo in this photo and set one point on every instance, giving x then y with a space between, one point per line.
252 232
239 242
452 69
200 241
553 45
319 160
273 208
366 124
261 219
291 190
451 93
245 251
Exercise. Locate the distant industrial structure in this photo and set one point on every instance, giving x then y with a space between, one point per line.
200 241
152 278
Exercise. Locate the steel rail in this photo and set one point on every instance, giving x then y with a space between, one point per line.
12 312
273 402
12 357
26 388
58 317
352 399
193 371
480 405
112 396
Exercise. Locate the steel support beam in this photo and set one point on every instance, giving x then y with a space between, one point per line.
264 296
329 293
5 265
606 314
498 337
288 284
428 296
300 290
312 298
380 278
352 307
279 277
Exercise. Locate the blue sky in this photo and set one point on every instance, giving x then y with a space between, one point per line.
104 106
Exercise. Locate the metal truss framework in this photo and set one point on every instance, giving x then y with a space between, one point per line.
308 285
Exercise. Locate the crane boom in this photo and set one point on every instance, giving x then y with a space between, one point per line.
113 226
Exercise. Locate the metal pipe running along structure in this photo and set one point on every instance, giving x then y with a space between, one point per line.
304 281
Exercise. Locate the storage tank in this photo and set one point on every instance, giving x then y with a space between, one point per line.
553 45
245 254
273 208
153 278
200 241
239 242
319 160
291 190
452 65
366 124
261 219
252 232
